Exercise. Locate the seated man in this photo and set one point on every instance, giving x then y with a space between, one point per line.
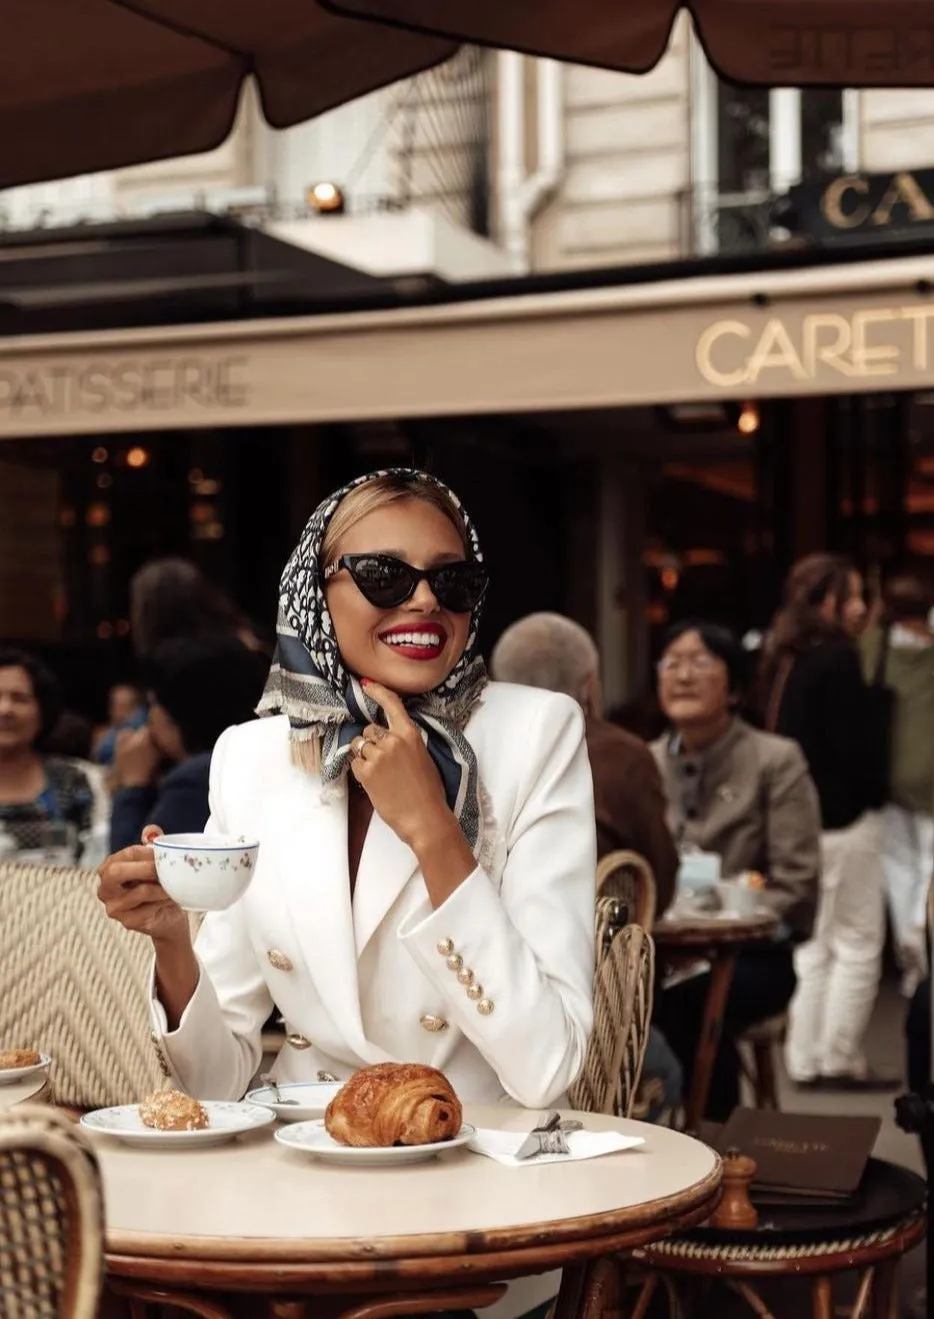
551 651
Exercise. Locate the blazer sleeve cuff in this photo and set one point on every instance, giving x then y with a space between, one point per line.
186 1051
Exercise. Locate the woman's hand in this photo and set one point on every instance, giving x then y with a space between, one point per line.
397 773
402 781
136 759
130 890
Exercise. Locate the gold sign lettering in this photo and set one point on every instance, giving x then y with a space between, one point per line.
832 204
705 346
870 342
851 203
903 190
140 385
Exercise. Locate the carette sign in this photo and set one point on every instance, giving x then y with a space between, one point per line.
876 342
867 206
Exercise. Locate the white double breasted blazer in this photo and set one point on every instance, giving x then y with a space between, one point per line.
494 986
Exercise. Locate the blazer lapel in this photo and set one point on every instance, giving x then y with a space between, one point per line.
386 866
309 840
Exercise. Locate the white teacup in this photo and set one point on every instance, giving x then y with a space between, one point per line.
204 872
739 899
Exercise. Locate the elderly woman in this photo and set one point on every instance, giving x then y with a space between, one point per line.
425 883
748 796
37 791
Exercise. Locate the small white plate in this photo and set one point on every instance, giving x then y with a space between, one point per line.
226 1121
312 1099
10 1074
311 1138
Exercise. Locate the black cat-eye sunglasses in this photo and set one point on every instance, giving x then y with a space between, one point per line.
388 582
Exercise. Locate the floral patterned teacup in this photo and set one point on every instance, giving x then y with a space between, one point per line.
205 872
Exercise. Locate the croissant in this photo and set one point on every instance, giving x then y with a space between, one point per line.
394 1104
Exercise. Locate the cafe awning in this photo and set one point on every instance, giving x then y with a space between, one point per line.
852 43
90 85
832 329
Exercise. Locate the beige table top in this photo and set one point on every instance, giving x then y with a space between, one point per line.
255 1200
696 930
21 1092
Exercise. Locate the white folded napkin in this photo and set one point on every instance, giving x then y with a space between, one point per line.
502 1145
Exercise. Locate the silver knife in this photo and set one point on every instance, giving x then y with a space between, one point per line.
533 1141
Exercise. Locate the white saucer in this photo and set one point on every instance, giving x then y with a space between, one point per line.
226 1122
312 1099
10 1074
311 1138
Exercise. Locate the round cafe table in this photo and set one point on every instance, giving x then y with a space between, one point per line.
253 1216
719 940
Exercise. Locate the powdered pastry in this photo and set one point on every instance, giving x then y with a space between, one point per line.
170 1110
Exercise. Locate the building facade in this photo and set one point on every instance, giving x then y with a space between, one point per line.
684 481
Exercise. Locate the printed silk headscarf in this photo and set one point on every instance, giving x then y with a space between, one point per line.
309 683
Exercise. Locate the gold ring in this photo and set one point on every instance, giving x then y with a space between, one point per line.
356 747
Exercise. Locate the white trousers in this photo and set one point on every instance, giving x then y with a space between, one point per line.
838 968
908 859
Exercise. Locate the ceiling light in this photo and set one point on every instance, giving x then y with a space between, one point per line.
326 199
748 421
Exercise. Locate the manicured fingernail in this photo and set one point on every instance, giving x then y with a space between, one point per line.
364 682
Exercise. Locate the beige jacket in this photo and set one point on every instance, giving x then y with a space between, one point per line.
750 798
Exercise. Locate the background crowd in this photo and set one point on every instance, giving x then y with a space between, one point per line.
809 761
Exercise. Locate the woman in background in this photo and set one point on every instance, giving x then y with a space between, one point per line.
197 689
814 692
44 799
172 598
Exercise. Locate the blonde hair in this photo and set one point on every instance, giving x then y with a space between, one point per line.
381 492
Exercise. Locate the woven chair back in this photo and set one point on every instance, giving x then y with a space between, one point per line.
51 1217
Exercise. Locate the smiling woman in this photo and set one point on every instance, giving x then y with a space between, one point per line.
425 882
38 793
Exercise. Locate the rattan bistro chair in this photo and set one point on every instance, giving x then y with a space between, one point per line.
622 1013
75 984
51 1217
625 895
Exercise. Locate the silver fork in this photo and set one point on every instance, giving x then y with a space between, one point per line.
267 1078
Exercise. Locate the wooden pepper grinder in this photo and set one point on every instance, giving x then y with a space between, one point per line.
735 1210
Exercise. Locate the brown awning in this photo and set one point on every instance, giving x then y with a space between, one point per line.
875 43
829 330
90 85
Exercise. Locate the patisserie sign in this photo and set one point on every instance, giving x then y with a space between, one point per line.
125 384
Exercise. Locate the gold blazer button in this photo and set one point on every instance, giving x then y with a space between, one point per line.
474 991
485 1007
298 1041
279 960
446 947
455 962
465 976
432 1023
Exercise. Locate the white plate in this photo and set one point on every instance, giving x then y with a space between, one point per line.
312 1099
10 1074
311 1138
226 1121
